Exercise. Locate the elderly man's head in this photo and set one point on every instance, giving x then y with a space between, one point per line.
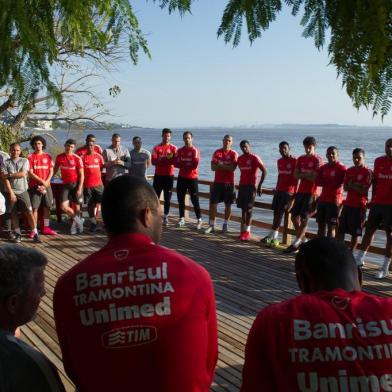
21 284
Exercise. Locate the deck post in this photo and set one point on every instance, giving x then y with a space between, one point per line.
287 225
187 204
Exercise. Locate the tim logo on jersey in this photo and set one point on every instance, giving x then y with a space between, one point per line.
132 336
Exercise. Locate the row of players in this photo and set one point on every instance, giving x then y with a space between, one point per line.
81 173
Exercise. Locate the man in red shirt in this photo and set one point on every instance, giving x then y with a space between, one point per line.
93 186
306 171
187 160
357 181
380 209
249 165
40 173
333 337
135 315
83 150
223 163
72 175
330 177
286 186
162 157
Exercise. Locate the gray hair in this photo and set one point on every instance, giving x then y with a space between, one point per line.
17 266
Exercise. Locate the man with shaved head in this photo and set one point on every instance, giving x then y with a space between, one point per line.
332 337
135 315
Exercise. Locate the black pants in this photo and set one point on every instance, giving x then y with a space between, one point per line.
192 186
165 184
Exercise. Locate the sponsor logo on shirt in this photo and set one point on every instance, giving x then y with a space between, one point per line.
385 176
135 335
121 254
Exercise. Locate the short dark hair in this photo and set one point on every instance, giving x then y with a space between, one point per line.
14 144
70 141
136 137
309 141
38 138
115 135
17 265
187 133
359 150
332 148
284 143
243 142
166 130
328 262
123 199
90 136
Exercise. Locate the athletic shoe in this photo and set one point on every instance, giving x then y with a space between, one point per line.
274 243
48 231
245 236
79 223
199 225
241 235
360 262
165 221
384 271
18 238
268 242
11 236
291 249
93 227
266 239
31 235
224 228
210 229
180 223
36 239
74 229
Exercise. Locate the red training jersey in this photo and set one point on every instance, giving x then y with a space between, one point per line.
83 150
40 165
69 166
93 165
286 180
163 156
383 181
137 316
249 164
227 157
308 164
357 175
187 160
325 341
330 178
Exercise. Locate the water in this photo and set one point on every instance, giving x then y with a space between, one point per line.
264 142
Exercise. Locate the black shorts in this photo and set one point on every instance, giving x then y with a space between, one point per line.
303 205
68 193
38 198
222 192
380 217
162 183
93 195
280 200
327 213
246 196
352 220
22 203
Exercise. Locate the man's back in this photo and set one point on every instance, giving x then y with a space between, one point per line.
137 316
326 341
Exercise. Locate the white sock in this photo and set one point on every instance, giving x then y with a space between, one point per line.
17 230
297 242
247 228
46 222
275 234
200 220
35 230
93 220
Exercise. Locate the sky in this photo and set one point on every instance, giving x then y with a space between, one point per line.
194 79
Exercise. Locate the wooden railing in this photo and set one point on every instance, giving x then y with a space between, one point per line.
286 229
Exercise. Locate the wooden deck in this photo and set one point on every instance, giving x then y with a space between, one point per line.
246 276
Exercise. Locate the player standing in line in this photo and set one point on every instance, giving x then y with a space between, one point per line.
223 163
140 158
380 212
83 150
41 172
357 182
286 186
163 156
72 175
330 177
306 171
93 186
187 160
249 164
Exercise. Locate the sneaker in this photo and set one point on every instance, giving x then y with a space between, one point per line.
48 231
224 228
384 271
74 229
245 236
266 239
268 242
17 238
199 225
36 239
360 262
11 236
31 235
180 223
274 243
79 223
93 227
291 249
210 229
165 221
